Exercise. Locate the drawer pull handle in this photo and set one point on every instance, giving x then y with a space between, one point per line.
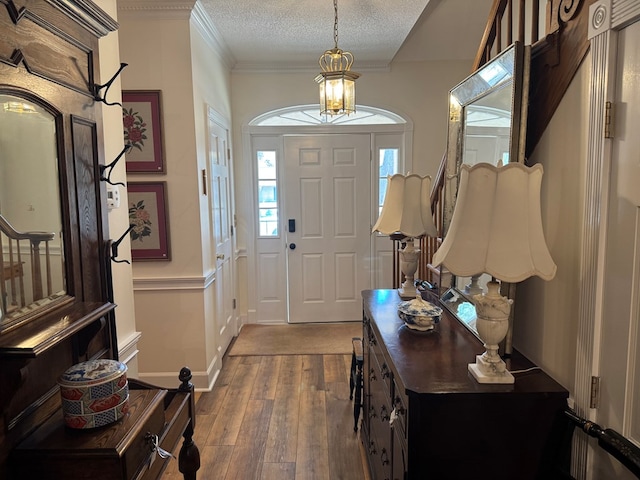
385 371
384 456
372 412
155 446
372 374
384 415
372 448
398 406
393 417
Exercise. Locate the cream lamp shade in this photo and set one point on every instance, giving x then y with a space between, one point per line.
406 210
497 225
496 229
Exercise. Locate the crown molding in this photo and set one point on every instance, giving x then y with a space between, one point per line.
202 21
156 8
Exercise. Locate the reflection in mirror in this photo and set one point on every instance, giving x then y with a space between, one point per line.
32 276
487 124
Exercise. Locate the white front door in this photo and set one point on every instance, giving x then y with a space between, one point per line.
327 198
221 225
619 405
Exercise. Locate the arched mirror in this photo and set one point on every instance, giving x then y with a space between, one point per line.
32 278
487 124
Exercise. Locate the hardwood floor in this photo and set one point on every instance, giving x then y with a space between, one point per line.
283 417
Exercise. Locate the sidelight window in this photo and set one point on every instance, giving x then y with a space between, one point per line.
388 165
267 193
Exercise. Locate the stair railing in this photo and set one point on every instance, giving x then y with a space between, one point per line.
13 295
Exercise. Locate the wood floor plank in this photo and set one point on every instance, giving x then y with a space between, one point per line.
229 418
344 458
266 382
204 423
214 462
312 461
334 368
278 471
312 373
290 370
248 454
282 439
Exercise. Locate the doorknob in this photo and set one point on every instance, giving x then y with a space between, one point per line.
220 256
292 246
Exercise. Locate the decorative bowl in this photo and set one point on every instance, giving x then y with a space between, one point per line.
418 314
99 419
95 405
92 380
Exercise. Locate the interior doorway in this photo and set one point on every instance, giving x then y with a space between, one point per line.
220 170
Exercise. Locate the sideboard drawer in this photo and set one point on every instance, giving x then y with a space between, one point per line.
118 451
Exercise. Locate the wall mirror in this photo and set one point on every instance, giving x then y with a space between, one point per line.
487 124
32 278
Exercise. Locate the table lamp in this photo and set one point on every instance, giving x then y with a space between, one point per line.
406 214
496 228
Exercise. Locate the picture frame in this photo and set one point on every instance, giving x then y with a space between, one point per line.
149 221
142 122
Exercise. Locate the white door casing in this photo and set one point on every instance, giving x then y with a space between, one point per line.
221 208
327 193
607 19
620 349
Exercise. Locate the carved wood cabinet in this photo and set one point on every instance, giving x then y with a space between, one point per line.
425 417
49 80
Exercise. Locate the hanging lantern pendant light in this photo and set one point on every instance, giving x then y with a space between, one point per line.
337 82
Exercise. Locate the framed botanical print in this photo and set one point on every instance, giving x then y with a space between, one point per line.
149 221
142 121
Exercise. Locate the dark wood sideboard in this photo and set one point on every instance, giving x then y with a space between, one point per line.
424 416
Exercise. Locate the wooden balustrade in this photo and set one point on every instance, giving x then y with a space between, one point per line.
14 246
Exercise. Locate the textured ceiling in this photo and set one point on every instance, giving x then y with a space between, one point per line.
259 35
259 31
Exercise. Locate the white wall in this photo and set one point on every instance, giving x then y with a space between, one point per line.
174 300
546 313
118 218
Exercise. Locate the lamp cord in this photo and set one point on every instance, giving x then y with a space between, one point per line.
525 370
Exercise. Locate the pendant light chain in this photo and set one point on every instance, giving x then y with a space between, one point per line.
335 24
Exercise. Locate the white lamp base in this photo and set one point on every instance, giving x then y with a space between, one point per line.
407 293
409 256
490 372
492 323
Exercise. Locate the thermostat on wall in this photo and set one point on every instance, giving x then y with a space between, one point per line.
113 197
